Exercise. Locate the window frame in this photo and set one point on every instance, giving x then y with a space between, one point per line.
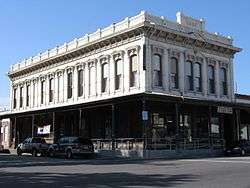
174 75
158 82
211 81
133 74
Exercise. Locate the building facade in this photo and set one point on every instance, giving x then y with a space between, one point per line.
144 82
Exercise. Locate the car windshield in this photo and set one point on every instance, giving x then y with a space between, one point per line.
82 141
38 140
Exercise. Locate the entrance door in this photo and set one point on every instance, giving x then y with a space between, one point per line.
228 129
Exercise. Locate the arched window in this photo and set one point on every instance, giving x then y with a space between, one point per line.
189 75
197 77
51 89
174 73
104 77
157 67
118 73
92 80
70 84
133 70
27 95
211 79
223 81
80 82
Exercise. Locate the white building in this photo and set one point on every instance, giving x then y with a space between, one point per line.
177 74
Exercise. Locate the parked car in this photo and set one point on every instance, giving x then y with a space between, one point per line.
241 147
72 146
33 146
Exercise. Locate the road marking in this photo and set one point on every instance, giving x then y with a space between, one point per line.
215 161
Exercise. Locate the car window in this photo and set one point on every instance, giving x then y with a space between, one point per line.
38 140
63 140
82 141
26 140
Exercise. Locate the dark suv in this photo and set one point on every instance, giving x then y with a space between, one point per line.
72 146
34 146
241 147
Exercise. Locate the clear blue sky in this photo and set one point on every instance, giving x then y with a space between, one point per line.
28 27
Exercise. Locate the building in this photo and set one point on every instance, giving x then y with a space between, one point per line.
144 83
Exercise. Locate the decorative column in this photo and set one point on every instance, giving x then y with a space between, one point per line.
217 79
75 84
112 74
165 70
181 72
148 61
204 77
99 76
231 68
65 76
86 80
126 72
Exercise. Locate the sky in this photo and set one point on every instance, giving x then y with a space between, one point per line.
28 27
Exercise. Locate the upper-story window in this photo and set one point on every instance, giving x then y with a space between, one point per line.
118 73
157 68
51 89
133 70
80 82
21 97
105 77
174 73
70 84
14 98
197 77
211 79
92 80
189 75
223 81
42 91
27 95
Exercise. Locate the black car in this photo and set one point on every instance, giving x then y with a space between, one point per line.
241 147
72 146
33 146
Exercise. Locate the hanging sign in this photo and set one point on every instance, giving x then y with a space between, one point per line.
43 130
225 110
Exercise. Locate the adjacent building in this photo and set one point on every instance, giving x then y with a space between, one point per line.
144 83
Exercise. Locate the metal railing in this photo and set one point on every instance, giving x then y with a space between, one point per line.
158 144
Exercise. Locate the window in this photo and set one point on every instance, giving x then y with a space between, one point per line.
197 77
27 95
60 87
133 70
189 75
118 73
14 98
223 81
92 80
105 77
51 89
34 93
21 97
157 68
42 91
174 73
69 85
80 82
211 82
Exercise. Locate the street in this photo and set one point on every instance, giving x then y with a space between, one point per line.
27 171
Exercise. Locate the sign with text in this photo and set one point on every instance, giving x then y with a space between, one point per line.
225 110
43 130
145 115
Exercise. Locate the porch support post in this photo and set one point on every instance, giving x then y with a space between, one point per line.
238 124
144 126
113 127
80 122
177 125
209 126
53 125
32 125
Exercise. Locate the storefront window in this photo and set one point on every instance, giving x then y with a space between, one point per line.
215 126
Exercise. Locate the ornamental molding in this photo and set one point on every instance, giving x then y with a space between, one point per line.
133 50
157 50
174 53
104 59
118 55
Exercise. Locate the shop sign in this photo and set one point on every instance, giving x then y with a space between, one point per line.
215 128
43 130
145 115
225 110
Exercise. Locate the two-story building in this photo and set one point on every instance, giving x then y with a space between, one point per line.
145 82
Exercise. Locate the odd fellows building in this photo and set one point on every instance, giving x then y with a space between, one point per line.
144 84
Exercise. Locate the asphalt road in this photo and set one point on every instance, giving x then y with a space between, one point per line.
27 171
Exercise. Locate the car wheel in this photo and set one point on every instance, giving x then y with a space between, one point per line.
243 152
19 152
68 154
34 153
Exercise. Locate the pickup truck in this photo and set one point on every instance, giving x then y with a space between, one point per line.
33 145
